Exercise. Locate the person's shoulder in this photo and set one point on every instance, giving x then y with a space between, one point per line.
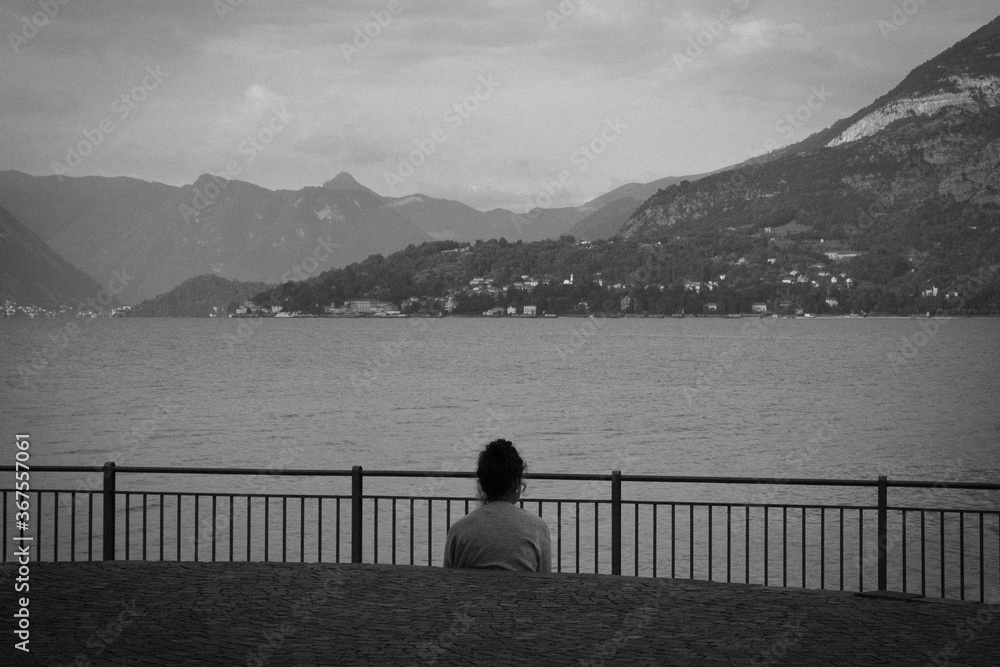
530 516
469 518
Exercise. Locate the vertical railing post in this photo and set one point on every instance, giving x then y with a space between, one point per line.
616 522
356 514
883 555
109 511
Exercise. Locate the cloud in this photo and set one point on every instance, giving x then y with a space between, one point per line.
354 145
560 79
243 116
258 99
758 36
758 62
38 99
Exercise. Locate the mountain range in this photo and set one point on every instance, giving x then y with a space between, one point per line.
164 234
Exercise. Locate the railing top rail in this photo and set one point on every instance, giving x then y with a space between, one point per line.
290 472
917 484
189 471
689 479
553 476
677 479
454 474
36 468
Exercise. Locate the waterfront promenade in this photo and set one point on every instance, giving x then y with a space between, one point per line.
169 613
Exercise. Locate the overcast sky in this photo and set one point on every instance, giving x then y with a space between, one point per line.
480 101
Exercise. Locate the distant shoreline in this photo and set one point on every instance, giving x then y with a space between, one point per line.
744 316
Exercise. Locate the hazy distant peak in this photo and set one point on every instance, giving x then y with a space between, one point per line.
205 179
343 181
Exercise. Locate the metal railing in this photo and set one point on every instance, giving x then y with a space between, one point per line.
948 552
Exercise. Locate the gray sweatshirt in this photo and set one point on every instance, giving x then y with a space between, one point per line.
499 536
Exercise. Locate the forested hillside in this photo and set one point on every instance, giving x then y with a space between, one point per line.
730 269
201 296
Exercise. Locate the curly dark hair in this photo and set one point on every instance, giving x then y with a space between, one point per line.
500 469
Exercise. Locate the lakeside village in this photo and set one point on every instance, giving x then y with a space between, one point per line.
549 296
621 305
12 308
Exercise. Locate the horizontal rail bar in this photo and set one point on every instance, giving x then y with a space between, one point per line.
159 470
696 503
943 486
575 477
687 479
892 508
420 473
630 501
142 470
200 493
34 468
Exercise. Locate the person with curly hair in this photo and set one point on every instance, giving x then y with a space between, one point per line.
499 535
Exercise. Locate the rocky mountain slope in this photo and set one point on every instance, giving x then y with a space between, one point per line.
32 274
916 174
606 221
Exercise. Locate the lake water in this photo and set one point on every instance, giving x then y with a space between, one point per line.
690 396
819 398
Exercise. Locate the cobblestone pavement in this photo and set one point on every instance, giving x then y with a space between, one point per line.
135 613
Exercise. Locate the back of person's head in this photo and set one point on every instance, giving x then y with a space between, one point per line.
500 470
